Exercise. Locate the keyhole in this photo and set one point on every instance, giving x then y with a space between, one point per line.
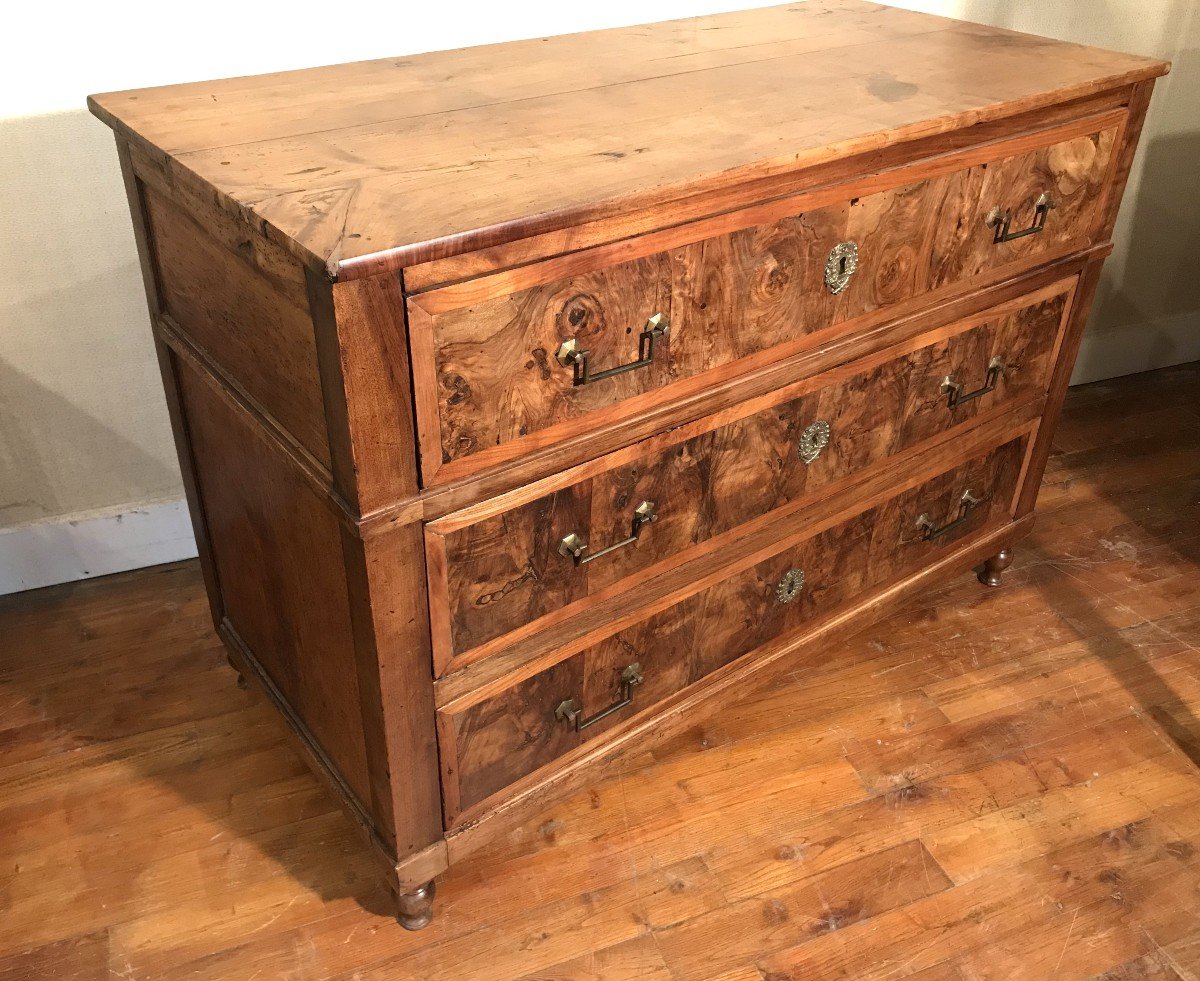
842 266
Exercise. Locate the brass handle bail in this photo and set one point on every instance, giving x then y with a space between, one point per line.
575 548
571 355
954 389
966 503
1001 221
569 709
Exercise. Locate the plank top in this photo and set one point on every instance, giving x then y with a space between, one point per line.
375 165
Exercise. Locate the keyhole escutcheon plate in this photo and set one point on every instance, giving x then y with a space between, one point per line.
840 266
813 440
790 585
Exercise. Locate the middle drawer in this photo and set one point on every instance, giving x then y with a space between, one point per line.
494 568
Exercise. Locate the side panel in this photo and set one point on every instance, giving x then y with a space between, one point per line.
277 552
253 325
252 364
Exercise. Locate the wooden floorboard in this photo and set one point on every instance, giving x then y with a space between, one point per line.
991 784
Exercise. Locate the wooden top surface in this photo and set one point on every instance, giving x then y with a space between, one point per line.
379 164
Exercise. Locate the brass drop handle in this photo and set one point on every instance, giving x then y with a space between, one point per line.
570 712
576 548
965 504
571 355
1002 221
954 389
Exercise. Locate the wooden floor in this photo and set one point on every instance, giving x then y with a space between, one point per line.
998 784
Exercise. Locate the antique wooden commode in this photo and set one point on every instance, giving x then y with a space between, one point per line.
534 399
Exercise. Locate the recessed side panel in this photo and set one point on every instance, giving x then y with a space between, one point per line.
246 311
277 551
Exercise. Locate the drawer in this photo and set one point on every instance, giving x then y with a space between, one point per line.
492 743
497 567
501 359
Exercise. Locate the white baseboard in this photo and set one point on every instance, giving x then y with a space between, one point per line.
48 552
1139 347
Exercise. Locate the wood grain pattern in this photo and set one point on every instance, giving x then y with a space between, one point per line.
389 616
506 570
489 371
335 161
688 711
363 360
1138 105
170 380
501 739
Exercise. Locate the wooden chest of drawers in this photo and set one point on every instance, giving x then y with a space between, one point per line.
533 400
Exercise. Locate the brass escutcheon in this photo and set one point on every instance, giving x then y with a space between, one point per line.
813 440
790 585
840 266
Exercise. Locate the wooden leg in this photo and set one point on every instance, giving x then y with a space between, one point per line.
415 909
991 570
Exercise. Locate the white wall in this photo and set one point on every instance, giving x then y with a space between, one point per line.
83 430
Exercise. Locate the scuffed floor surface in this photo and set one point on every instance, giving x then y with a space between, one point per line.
997 784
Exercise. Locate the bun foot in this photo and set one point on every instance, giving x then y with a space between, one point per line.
241 678
991 571
415 909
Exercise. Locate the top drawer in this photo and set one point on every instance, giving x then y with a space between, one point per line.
501 358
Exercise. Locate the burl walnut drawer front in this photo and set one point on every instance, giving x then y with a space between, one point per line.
493 572
495 363
500 739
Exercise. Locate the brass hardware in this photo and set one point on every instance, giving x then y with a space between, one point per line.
813 440
965 504
955 389
569 710
1002 220
840 266
571 355
790 585
574 547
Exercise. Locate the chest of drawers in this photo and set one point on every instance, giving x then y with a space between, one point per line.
533 400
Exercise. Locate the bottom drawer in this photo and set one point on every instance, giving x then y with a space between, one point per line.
494 742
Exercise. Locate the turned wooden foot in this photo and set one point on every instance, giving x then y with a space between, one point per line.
991 570
415 909
242 683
